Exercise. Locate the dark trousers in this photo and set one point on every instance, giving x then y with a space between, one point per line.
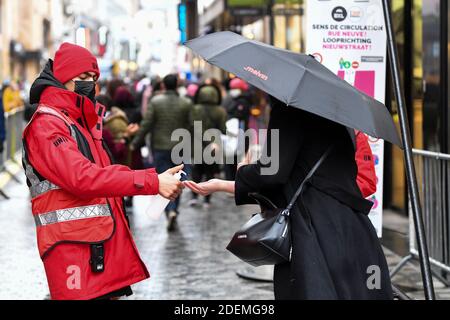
200 171
163 162
231 170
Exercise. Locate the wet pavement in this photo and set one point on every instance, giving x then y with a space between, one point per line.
22 274
191 263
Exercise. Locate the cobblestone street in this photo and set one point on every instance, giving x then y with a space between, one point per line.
191 263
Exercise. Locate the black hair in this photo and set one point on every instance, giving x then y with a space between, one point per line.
157 86
171 82
275 103
105 100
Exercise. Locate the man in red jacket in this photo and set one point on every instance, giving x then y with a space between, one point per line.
83 236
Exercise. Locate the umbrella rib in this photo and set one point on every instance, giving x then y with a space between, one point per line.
293 63
234 46
305 67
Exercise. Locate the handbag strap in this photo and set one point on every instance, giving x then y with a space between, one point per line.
308 177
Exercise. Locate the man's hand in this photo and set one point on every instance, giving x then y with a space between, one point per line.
169 186
131 131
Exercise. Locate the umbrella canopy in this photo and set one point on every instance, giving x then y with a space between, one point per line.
298 80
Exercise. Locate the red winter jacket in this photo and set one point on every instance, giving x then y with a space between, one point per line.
53 156
366 179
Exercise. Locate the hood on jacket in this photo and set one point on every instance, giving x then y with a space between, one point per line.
49 91
46 79
116 113
209 95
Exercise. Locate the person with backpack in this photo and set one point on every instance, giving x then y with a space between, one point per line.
238 105
213 116
166 113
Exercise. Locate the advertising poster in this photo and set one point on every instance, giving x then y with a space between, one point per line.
349 38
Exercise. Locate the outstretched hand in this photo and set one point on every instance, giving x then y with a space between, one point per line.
210 187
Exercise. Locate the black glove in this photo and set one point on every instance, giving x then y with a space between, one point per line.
2 147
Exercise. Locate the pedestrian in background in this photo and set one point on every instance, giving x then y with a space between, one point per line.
125 113
191 91
124 100
166 113
2 126
118 133
112 86
121 131
155 88
238 104
212 116
12 98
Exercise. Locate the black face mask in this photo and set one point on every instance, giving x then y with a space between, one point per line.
86 88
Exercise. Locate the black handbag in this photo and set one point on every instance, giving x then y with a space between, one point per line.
266 238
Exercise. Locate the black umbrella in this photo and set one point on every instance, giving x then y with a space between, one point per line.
298 80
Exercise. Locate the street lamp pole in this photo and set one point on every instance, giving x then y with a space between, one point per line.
271 21
409 162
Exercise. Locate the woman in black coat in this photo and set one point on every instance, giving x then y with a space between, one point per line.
336 251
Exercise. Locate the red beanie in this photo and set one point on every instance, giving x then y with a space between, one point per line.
71 61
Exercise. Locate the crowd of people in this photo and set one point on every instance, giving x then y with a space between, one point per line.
142 115
11 98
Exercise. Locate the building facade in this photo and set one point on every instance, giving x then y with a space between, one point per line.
25 30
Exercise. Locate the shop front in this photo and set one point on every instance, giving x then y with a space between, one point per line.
422 38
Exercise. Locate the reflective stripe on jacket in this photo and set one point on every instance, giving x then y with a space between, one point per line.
67 221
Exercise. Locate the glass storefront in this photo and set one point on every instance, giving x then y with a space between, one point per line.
289 18
433 123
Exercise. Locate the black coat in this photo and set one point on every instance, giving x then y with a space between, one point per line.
334 242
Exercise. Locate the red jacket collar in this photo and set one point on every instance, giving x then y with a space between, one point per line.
80 109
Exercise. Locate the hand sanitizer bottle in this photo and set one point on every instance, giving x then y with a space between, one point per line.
157 204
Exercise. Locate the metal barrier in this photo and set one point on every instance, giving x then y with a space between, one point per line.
14 125
433 176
